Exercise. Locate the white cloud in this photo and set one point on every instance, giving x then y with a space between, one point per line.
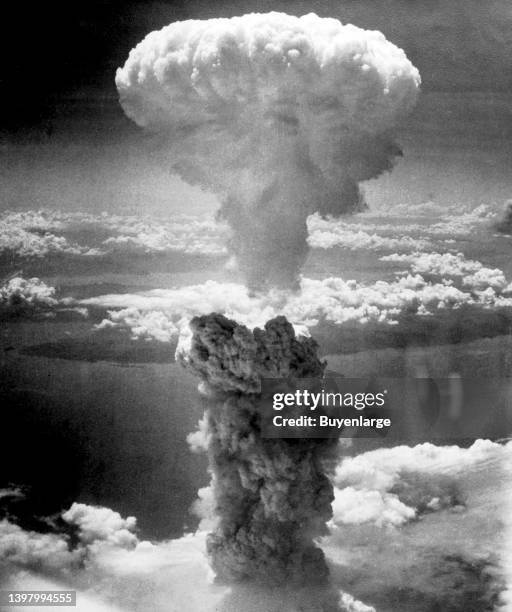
402 227
376 492
20 295
351 604
464 224
353 506
97 524
46 232
98 530
391 486
30 244
474 274
431 209
194 236
110 566
153 324
163 314
40 233
31 549
325 233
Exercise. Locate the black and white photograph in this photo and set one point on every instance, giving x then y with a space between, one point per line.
256 306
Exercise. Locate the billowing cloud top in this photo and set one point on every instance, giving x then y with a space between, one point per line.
280 116
293 68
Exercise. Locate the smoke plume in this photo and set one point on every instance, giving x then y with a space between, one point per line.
504 226
280 116
271 496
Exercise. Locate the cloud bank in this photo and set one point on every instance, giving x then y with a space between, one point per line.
164 314
473 274
325 233
43 236
438 552
391 486
43 233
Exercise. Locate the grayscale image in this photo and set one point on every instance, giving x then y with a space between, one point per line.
214 215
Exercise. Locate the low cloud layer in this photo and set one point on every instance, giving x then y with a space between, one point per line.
22 296
325 233
414 497
38 234
472 274
391 486
164 314
423 226
45 235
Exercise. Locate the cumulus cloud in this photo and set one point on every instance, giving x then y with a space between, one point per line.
195 238
391 486
164 314
153 324
48 552
107 563
431 209
417 227
453 558
23 243
37 234
110 576
464 223
20 296
325 233
97 524
32 297
353 506
96 529
280 116
351 604
43 233
473 273
182 234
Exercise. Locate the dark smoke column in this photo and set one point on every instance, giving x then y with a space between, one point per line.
280 116
272 497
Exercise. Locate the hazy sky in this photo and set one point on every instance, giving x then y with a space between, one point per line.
85 154
75 48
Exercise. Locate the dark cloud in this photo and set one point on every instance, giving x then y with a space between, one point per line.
272 497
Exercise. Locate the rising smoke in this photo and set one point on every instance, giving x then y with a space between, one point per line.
280 116
271 496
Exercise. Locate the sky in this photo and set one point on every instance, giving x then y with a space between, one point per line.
66 142
458 45
106 254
